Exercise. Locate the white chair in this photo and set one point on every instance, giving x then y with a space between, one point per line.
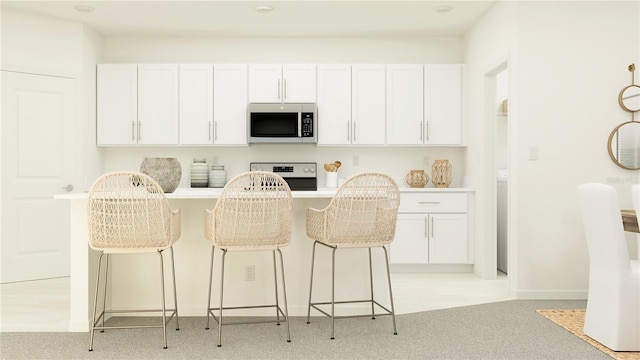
613 306
253 213
128 213
635 199
362 214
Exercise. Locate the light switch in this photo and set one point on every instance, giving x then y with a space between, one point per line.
533 153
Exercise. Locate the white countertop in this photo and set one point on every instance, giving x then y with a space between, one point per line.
213 193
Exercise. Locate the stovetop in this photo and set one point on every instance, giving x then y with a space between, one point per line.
300 176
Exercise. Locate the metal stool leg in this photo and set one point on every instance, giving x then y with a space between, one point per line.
313 256
373 313
213 249
393 311
95 302
284 290
175 292
106 280
333 292
224 253
164 313
275 278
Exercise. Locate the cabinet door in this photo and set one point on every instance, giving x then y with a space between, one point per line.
334 104
410 245
196 104
230 104
442 104
265 83
368 104
405 106
447 238
117 104
299 83
158 104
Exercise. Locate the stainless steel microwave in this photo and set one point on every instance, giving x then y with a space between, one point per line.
282 123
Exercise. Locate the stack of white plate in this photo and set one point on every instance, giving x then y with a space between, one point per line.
217 176
199 173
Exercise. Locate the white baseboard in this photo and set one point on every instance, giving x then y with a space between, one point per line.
551 295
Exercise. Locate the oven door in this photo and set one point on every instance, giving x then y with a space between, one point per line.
274 125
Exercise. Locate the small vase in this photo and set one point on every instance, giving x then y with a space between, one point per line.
441 173
417 178
166 171
199 173
217 176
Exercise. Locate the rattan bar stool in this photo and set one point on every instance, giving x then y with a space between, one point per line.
128 213
253 213
362 214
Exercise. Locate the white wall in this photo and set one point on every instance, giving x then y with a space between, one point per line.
567 64
41 44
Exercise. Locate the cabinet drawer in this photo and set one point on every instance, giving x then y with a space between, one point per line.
433 202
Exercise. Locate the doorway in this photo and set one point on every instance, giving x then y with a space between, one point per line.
496 180
39 143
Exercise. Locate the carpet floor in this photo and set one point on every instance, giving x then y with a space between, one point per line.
502 330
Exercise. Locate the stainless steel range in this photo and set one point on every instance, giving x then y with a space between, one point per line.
300 175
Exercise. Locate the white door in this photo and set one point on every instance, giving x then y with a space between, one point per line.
265 83
117 102
299 83
230 104
447 239
368 96
158 94
39 140
405 104
196 104
442 104
334 104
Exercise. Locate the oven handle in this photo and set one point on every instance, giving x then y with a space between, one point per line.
299 124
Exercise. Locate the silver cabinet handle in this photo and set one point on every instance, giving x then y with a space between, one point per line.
209 130
278 88
426 227
432 226
215 131
421 131
426 125
285 89
139 125
354 131
428 202
348 131
133 131
68 187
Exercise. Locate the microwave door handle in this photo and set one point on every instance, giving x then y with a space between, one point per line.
299 124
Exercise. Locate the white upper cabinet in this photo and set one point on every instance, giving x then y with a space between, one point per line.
368 104
196 104
230 104
442 104
158 104
290 83
334 104
117 104
405 104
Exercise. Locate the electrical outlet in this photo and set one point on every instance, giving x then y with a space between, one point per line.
250 273
215 160
356 160
533 153
426 160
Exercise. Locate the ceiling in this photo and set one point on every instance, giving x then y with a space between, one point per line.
239 18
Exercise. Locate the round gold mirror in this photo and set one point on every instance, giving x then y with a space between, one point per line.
624 145
629 98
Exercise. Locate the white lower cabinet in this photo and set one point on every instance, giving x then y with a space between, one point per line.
431 229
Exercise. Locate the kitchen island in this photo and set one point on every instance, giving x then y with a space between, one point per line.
134 279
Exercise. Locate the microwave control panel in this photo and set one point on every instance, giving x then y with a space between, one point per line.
307 124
